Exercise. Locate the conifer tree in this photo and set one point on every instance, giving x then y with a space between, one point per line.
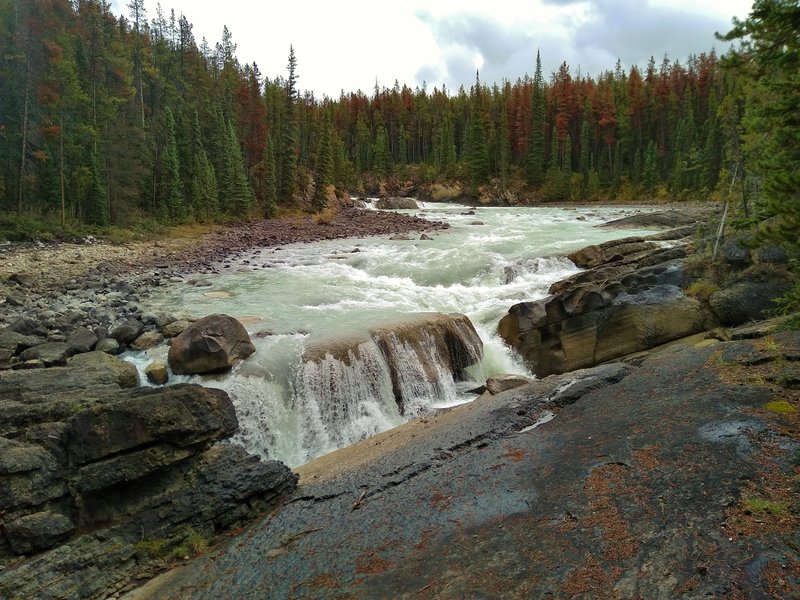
97 202
290 138
270 180
239 199
536 157
323 176
175 202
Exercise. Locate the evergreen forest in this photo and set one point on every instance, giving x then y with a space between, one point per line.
109 120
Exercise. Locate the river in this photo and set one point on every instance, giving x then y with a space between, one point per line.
287 297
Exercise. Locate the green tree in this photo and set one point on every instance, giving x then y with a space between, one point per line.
175 201
323 176
290 138
536 156
769 54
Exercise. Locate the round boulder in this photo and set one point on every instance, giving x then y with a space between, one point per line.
214 343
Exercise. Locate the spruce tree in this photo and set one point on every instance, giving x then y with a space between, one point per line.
323 176
175 202
97 202
240 196
290 137
270 180
536 156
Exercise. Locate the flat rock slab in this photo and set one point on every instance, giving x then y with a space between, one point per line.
613 482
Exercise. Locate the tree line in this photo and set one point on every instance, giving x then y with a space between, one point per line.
107 119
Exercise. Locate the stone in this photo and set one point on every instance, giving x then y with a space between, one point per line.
29 475
121 371
106 268
16 298
107 345
174 328
396 203
156 373
614 309
747 300
126 330
16 342
213 343
400 237
771 255
37 532
27 326
82 340
425 237
501 383
49 353
149 339
181 415
22 279
736 254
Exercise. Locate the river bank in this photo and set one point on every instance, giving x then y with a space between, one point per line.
525 470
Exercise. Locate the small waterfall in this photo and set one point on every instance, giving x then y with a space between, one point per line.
343 399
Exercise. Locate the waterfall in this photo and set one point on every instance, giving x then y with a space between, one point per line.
344 389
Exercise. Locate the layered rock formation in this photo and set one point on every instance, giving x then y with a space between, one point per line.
630 299
99 477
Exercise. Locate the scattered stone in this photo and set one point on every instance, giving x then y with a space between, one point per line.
126 330
107 345
396 204
174 328
82 340
22 279
400 237
425 237
149 339
771 255
27 326
156 372
736 254
501 383
16 298
49 353
123 372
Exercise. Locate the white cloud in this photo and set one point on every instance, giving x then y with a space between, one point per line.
347 45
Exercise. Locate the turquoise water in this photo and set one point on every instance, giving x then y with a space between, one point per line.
289 296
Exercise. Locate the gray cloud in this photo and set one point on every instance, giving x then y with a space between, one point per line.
629 30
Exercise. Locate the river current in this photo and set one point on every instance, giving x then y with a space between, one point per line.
288 297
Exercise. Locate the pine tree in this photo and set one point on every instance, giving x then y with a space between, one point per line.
323 176
476 157
770 54
97 201
203 187
239 198
536 157
175 202
290 138
270 180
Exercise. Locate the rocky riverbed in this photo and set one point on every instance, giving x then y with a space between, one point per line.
657 476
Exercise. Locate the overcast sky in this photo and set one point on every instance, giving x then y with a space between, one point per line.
348 44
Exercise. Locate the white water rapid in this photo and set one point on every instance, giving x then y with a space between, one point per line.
290 297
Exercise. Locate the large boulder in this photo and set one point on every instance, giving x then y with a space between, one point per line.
751 297
396 203
213 343
615 309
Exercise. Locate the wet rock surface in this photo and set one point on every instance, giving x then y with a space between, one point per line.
629 299
616 481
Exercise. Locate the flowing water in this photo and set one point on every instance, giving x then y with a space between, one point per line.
294 409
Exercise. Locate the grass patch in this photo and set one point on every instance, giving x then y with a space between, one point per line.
702 289
780 407
761 506
152 549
